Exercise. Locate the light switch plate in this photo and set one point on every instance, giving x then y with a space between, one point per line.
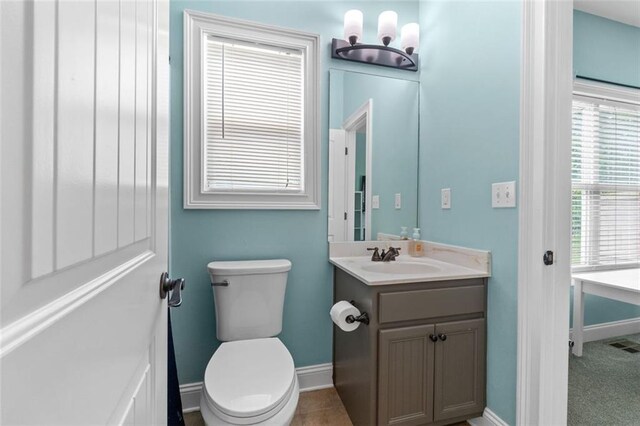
398 201
503 195
445 198
375 201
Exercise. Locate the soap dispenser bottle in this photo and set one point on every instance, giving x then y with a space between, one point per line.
416 246
404 235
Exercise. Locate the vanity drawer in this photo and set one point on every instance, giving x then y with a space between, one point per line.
430 303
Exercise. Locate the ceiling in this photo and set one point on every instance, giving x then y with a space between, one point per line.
626 11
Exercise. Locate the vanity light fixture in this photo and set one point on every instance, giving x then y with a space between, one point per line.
410 37
351 48
353 26
387 25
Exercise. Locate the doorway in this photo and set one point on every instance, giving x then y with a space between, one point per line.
545 245
358 140
350 176
605 212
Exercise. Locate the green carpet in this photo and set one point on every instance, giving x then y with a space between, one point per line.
604 385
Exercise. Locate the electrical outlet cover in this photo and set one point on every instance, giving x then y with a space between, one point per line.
375 201
398 201
445 198
503 195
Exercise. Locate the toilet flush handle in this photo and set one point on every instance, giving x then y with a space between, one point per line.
224 283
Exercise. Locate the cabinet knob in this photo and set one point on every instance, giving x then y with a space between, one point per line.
442 336
433 337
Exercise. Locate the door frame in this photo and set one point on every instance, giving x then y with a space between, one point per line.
544 214
363 116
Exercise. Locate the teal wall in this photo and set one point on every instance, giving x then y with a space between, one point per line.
200 236
469 138
469 112
606 50
395 141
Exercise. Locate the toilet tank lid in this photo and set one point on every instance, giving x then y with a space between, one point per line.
249 267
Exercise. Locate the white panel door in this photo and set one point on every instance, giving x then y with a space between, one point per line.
83 210
337 205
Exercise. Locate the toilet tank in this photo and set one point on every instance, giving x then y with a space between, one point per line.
249 297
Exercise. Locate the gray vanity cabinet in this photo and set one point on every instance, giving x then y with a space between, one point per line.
405 375
421 359
459 369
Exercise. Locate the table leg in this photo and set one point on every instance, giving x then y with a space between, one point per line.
578 318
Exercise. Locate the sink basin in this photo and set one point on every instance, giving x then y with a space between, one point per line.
407 268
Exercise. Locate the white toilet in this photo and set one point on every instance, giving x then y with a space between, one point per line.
251 378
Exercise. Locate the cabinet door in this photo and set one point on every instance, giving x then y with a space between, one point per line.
459 369
405 376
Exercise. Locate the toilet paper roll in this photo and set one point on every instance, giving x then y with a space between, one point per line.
339 313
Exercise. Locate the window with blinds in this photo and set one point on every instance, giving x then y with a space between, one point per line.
253 101
605 183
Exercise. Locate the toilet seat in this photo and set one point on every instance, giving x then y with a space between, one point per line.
249 381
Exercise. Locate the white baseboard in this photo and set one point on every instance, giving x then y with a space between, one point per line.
489 418
190 395
315 377
610 329
310 378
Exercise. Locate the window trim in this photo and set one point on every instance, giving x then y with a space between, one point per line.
196 26
586 90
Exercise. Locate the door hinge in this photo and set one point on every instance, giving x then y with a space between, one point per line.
346 150
345 215
548 258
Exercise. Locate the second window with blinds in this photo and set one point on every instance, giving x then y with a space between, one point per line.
605 177
251 122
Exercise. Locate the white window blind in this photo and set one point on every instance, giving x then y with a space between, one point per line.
605 183
253 118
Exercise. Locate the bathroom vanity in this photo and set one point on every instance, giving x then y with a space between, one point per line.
421 358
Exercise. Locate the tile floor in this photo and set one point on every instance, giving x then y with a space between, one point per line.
315 408
321 407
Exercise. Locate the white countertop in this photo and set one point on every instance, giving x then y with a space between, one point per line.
443 262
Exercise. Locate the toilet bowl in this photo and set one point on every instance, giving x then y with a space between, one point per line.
251 377
250 382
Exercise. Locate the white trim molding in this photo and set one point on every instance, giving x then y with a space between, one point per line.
489 418
310 378
315 377
605 91
545 212
197 24
611 329
190 395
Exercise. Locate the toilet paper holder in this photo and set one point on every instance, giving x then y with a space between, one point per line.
363 317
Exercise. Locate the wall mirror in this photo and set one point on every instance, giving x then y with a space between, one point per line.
373 156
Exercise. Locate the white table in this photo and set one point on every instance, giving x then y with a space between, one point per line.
619 284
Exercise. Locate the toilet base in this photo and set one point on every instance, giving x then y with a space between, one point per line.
281 418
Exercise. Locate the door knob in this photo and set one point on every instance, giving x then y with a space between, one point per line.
442 336
433 337
174 287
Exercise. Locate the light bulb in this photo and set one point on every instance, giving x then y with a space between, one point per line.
353 26
410 37
387 25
